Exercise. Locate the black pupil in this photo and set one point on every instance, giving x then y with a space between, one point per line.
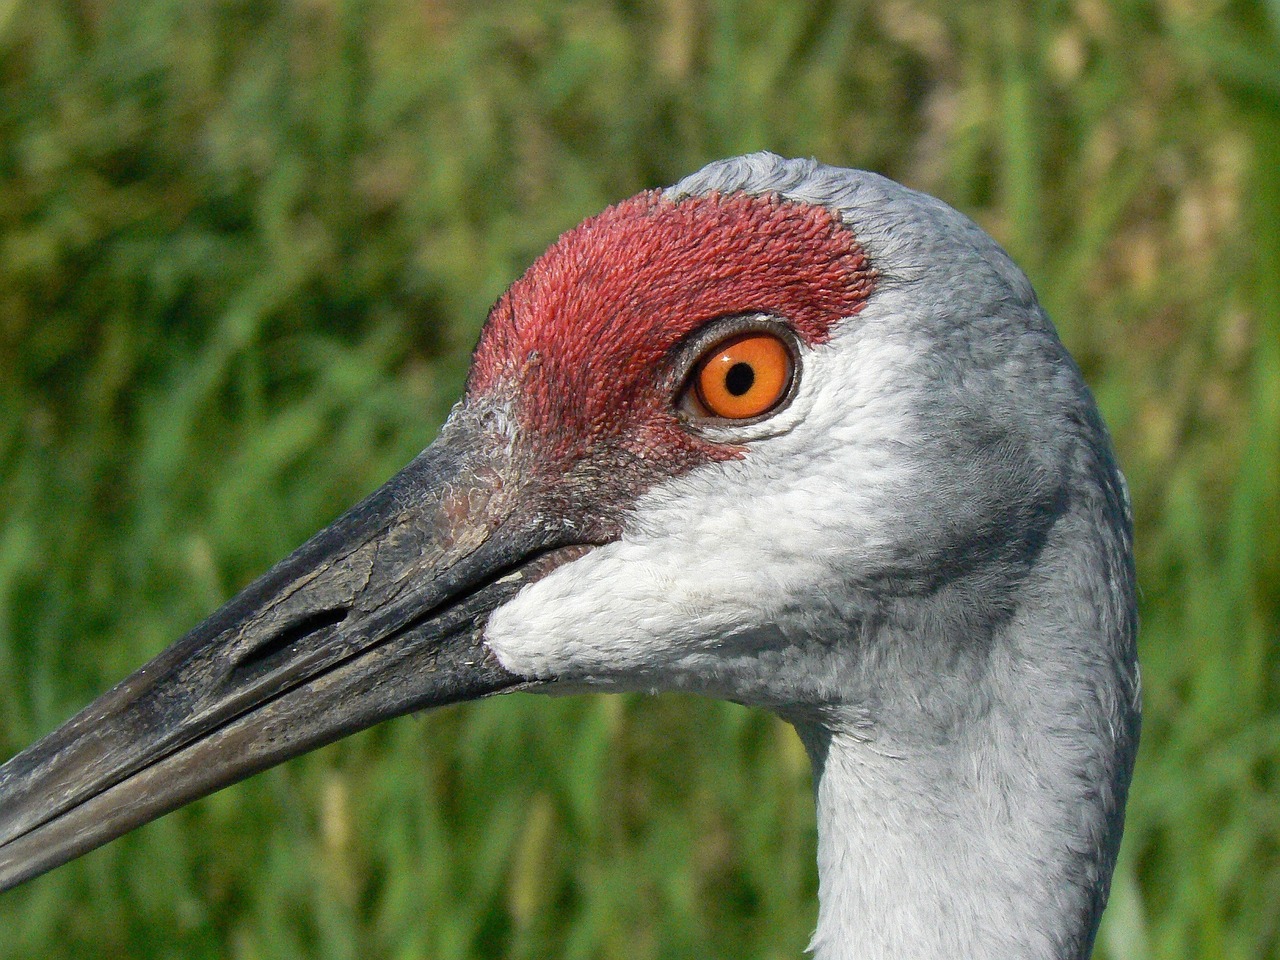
739 379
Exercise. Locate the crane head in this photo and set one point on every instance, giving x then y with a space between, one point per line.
738 437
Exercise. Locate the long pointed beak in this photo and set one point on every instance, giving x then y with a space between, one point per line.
379 614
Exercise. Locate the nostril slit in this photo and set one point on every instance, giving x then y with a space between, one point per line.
291 635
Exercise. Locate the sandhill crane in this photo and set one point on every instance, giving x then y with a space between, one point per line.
784 433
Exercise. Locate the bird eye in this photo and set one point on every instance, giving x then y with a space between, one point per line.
744 376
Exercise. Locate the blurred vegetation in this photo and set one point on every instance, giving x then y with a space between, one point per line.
245 248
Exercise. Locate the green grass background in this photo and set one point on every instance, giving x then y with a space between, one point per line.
245 248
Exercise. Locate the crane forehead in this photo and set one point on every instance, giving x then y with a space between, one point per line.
582 342
612 296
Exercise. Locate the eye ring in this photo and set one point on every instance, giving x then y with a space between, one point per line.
742 377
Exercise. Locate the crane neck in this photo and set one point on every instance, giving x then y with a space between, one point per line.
909 868
976 809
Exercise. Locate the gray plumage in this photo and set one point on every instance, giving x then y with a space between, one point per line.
978 728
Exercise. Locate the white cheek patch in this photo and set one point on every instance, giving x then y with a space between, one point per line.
726 549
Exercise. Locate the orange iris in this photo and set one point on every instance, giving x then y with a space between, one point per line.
744 376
